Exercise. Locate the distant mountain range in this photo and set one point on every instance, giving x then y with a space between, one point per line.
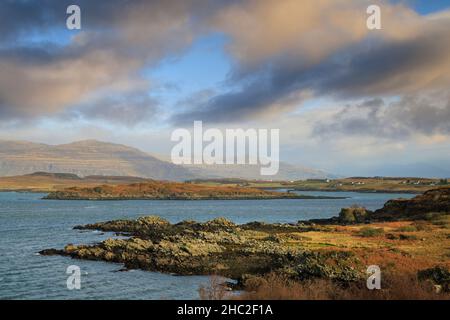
91 157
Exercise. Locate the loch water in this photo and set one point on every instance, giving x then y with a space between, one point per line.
29 224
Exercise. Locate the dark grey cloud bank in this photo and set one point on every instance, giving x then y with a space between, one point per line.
413 114
127 109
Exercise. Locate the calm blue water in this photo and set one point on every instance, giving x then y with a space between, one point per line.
29 224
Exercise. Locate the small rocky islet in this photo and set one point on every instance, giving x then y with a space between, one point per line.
165 190
326 249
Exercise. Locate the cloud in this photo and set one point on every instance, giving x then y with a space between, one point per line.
393 68
288 50
118 40
257 99
128 110
283 53
31 88
17 18
413 115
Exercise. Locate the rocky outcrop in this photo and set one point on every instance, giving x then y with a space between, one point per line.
215 247
436 201
427 206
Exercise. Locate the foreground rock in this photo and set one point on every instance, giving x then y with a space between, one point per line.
214 247
163 190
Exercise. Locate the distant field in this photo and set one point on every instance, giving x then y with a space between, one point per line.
413 185
360 184
48 182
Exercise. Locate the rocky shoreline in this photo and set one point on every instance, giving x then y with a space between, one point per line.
214 247
337 249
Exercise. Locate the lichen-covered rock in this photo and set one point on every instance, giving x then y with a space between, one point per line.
153 221
220 224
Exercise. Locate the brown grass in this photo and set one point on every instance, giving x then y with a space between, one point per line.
405 287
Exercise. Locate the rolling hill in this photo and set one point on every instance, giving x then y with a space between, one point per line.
85 158
95 158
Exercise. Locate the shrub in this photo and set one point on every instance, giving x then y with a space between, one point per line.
216 289
407 229
361 214
98 189
438 275
353 214
407 237
442 224
431 216
346 216
422 226
370 232
401 236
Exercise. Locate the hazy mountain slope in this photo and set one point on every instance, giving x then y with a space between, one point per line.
85 158
90 157
252 172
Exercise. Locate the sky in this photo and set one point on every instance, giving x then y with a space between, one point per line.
346 99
